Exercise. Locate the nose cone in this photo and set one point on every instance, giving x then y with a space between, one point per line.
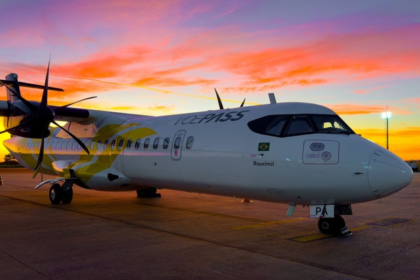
388 173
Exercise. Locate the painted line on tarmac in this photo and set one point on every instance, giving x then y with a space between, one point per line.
390 222
320 236
269 224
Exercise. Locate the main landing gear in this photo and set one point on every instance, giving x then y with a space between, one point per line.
333 226
61 193
148 193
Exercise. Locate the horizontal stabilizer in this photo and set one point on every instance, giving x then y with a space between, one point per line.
28 85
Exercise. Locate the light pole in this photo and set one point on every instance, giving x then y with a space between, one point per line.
386 115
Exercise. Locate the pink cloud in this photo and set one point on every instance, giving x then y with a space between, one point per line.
357 109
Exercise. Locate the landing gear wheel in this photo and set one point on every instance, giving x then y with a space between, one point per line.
67 195
326 225
333 226
339 222
55 194
148 193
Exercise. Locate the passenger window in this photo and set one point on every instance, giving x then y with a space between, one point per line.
177 143
113 144
120 144
63 145
190 142
137 144
92 145
156 143
68 145
128 144
299 125
74 146
106 144
146 143
166 143
99 145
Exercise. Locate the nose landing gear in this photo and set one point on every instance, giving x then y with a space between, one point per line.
333 226
61 193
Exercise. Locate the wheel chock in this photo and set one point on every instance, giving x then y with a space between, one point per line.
345 232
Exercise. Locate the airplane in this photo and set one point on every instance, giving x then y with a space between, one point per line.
291 153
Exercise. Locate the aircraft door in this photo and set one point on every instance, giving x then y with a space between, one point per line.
176 149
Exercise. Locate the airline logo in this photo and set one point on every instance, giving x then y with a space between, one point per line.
206 118
263 147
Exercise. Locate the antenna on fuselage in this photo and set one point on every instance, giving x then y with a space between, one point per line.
221 104
272 98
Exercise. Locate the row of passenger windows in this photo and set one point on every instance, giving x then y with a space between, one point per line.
72 145
290 125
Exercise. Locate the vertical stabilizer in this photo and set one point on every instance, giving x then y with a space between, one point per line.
14 79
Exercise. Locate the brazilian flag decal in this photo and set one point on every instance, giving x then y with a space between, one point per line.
263 147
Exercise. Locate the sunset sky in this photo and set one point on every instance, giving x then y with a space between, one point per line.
165 57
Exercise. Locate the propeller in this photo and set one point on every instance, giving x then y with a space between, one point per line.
38 119
220 101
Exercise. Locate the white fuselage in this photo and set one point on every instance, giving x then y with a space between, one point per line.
225 157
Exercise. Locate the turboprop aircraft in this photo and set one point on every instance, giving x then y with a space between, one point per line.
292 153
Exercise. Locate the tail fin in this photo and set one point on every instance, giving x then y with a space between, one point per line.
12 81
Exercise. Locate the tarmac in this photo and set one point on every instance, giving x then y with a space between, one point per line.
182 235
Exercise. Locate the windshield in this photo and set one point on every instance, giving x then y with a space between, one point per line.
292 125
331 124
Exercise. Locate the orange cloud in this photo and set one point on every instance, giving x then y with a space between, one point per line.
361 91
357 109
162 81
249 65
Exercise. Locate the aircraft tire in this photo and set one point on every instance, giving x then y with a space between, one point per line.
331 225
67 196
55 194
148 193
339 222
327 225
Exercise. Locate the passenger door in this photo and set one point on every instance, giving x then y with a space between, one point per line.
176 149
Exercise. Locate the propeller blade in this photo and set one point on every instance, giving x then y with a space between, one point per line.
243 102
18 126
74 137
44 99
218 100
65 106
26 102
40 157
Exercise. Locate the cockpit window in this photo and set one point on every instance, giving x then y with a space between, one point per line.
299 125
331 124
292 125
271 125
276 125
